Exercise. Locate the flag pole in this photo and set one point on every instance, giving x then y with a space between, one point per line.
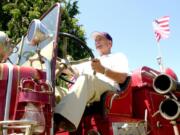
161 28
159 59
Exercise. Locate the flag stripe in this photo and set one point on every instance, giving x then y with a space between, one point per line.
161 28
164 25
163 21
164 18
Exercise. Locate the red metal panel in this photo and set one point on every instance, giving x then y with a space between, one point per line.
3 88
145 97
119 103
143 76
18 74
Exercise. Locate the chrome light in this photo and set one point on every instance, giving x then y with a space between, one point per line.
5 46
37 32
3 38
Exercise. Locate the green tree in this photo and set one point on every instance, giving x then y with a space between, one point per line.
17 15
69 24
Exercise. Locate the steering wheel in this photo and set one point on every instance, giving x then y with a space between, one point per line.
67 62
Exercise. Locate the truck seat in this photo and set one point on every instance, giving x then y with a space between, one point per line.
113 101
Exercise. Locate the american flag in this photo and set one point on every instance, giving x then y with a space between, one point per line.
161 28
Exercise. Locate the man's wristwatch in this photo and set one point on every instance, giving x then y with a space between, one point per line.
105 70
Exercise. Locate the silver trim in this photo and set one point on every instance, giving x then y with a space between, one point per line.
9 89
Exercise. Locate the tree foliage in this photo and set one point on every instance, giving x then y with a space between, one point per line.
16 16
69 24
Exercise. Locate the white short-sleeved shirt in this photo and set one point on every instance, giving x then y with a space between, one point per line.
116 62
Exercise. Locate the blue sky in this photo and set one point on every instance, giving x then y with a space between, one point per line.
130 24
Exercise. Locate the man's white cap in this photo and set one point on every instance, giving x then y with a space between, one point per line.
103 34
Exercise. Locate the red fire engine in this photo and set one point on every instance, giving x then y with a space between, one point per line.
147 105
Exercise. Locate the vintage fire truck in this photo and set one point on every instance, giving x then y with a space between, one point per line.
148 103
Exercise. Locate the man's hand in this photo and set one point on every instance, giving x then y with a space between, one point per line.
97 66
62 68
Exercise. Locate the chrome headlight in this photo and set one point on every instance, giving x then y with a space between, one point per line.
37 32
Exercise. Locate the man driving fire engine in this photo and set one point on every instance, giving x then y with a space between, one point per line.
111 70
